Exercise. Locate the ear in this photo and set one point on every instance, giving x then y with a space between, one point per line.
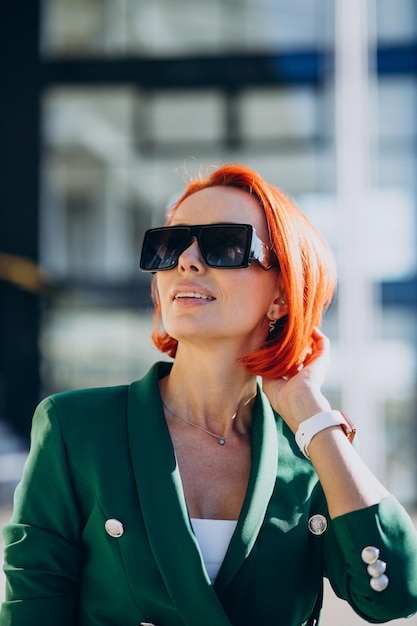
278 308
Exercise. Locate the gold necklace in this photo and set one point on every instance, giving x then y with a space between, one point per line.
220 440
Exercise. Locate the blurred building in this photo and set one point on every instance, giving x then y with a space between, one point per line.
107 107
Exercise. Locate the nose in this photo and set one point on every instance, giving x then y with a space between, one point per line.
191 258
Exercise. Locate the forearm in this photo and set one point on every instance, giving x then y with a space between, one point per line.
347 481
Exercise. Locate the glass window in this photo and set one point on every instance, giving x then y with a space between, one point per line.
397 166
186 116
91 346
95 192
72 28
396 20
279 113
397 105
177 27
396 384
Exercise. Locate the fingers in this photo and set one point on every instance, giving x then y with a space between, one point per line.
299 393
314 361
319 338
320 344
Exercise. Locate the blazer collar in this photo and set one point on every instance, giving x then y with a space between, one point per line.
164 508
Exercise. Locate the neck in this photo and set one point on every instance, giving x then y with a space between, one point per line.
214 394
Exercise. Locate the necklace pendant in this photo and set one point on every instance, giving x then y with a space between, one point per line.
222 441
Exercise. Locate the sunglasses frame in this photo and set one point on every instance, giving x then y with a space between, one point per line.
255 249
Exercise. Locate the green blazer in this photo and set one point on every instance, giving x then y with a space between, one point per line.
106 454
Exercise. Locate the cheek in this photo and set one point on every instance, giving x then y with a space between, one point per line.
263 285
160 289
160 292
253 295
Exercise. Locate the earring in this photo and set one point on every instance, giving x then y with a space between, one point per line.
272 321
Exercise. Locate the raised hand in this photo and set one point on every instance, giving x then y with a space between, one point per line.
298 397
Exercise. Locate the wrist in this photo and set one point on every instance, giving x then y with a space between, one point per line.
313 425
305 406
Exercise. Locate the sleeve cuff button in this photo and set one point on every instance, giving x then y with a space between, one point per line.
370 555
379 583
377 568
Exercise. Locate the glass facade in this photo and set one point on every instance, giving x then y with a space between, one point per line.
177 27
114 155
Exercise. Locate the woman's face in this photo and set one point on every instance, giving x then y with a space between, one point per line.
205 304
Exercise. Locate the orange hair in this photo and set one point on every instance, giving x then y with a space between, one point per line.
307 269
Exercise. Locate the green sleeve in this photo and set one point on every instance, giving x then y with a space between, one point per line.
385 526
43 555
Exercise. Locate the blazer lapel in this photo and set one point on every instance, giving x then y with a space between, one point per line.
261 484
165 514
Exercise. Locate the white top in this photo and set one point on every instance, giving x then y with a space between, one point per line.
213 536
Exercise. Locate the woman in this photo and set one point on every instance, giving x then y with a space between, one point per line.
192 497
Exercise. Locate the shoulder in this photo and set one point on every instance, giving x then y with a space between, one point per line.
80 414
85 398
101 408
78 404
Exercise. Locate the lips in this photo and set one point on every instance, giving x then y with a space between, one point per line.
192 294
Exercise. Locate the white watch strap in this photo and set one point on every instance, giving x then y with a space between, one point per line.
315 424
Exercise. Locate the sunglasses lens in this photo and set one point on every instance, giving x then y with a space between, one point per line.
225 246
162 247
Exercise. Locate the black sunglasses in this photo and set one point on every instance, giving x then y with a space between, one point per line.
221 245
